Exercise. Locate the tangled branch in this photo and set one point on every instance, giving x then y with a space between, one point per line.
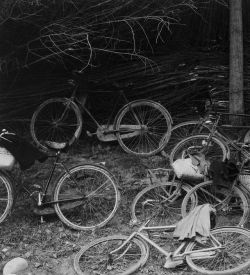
82 30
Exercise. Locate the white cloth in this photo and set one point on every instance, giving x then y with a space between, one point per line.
195 224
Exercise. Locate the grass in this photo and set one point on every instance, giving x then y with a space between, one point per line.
50 247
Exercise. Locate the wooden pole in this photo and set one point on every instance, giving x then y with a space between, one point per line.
236 97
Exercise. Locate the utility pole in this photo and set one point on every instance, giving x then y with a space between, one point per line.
236 97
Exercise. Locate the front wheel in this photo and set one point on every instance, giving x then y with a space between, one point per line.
232 206
143 127
97 257
211 147
161 202
231 258
87 197
56 119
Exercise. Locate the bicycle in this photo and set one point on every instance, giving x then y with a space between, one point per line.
166 195
203 124
216 144
225 251
141 127
85 196
163 195
231 201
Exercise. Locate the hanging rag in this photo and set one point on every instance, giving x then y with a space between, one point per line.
23 151
196 224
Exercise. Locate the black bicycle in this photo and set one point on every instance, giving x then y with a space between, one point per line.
141 127
84 197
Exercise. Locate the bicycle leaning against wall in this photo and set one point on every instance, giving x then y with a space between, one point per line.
141 127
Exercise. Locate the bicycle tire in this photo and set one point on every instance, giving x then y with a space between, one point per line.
184 130
100 257
6 196
155 198
44 128
236 242
199 140
89 212
229 212
143 141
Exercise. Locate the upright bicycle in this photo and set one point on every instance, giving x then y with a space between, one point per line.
85 196
141 127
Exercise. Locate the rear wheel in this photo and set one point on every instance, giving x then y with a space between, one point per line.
232 206
233 257
212 148
96 257
143 127
88 197
6 197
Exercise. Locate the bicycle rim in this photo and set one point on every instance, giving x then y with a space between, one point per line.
160 201
213 148
96 193
232 258
184 130
95 258
143 128
232 206
6 197
57 120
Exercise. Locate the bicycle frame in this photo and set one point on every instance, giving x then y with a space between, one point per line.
176 255
217 131
42 194
171 195
81 103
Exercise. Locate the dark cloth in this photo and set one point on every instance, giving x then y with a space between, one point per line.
23 151
223 173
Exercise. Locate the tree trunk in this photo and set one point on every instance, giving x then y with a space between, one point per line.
236 97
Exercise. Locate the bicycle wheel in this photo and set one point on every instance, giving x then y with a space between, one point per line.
213 149
183 130
6 197
233 257
92 195
143 127
56 119
232 206
160 201
96 257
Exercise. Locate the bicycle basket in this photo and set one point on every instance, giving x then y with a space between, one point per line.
7 160
184 169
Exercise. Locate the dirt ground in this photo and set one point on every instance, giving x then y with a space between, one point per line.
50 247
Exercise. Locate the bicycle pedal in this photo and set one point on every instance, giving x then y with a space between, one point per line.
90 134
